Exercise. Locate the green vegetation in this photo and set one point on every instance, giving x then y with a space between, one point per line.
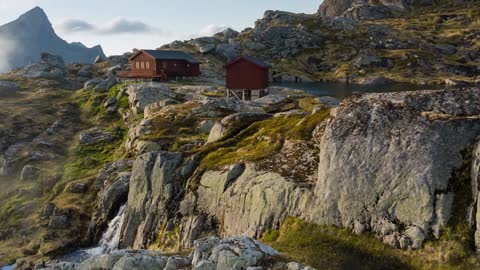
328 247
214 94
261 139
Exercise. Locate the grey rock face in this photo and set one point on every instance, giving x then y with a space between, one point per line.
8 88
157 179
234 123
90 84
474 217
94 135
142 95
405 148
248 200
333 8
368 12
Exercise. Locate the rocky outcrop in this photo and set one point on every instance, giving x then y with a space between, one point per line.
142 95
387 162
156 186
333 8
247 201
50 67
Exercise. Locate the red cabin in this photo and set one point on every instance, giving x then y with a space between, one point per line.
247 73
161 65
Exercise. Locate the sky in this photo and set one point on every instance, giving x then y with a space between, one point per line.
121 25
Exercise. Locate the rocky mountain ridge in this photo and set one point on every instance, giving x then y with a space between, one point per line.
422 46
32 34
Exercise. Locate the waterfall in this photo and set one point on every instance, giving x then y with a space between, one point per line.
111 237
108 243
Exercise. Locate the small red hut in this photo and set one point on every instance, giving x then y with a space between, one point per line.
246 74
161 65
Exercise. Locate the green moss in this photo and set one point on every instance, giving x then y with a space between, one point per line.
308 103
214 94
260 139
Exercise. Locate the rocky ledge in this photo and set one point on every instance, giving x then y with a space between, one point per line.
208 254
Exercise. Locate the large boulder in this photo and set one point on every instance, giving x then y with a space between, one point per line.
106 84
95 135
142 95
8 88
387 162
50 67
91 84
53 60
235 123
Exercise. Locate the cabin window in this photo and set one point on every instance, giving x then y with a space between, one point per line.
142 65
137 65
188 65
164 64
175 65
147 65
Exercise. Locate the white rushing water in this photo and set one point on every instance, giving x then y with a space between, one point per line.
111 237
108 243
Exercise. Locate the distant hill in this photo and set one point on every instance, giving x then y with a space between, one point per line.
24 39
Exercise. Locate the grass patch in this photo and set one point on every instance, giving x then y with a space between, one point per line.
329 247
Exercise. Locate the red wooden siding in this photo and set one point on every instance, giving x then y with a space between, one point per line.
144 65
243 74
143 58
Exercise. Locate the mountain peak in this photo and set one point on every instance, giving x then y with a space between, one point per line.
36 14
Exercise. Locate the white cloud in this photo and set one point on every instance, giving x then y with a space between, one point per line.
75 25
119 25
125 25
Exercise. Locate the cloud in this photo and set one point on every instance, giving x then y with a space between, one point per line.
8 46
212 29
117 26
75 25
124 25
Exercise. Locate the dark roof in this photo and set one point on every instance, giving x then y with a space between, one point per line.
251 59
170 55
